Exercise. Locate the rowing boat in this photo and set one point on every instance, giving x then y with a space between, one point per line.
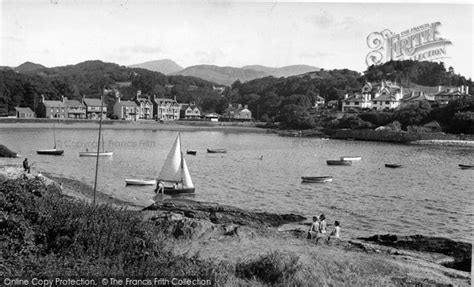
316 179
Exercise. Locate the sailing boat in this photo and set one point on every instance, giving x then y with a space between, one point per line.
52 151
94 153
175 174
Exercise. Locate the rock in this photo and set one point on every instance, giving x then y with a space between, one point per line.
5 152
460 251
223 214
230 230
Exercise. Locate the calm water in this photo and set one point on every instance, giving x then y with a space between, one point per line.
429 196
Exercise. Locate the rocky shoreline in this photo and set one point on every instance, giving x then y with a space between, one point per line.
228 234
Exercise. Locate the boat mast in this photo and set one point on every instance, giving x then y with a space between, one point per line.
98 141
181 154
54 135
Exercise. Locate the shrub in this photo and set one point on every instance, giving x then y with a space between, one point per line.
271 268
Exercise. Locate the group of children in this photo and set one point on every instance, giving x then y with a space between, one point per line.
318 229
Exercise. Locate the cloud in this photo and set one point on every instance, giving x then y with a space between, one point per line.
315 54
324 19
209 57
141 49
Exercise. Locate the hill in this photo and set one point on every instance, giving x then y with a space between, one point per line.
165 66
222 75
87 78
285 71
28 67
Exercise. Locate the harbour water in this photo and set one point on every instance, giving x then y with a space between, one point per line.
429 195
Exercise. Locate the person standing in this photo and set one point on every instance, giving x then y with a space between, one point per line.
313 229
336 232
26 166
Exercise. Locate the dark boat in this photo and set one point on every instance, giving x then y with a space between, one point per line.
219 150
191 152
316 179
339 162
50 151
391 165
466 166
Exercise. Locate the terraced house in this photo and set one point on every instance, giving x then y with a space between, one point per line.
166 109
126 110
51 109
93 110
74 109
144 106
190 112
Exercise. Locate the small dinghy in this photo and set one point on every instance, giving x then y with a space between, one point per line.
50 151
351 158
219 150
94 153
191 152
339 162
316 179
466 166
134 181
391 165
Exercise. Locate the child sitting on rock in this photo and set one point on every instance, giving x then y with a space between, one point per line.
336 232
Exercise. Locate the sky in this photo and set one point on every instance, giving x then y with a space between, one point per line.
275 34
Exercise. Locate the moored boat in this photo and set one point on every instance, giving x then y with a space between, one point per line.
392 165
94 153
191 152
316 179
53 151
219 150
339 162
135 181
351 158
466 166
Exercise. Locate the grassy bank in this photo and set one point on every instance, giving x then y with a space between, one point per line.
45 233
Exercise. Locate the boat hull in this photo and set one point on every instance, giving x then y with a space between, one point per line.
351 158
339 162
316 179
465 166
50 152
191 152
139 182
94 154
392 165
216 150
175 191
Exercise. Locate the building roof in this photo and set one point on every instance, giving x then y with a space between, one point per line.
143 98
93 102
130 104
355 98
54 104
74 104
212 115
432 124
24 110
385 97
417 96
319 98
165 100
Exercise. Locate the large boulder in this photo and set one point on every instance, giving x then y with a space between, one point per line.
5 152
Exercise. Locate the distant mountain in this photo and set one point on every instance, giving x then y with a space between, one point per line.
164 66
285 71
28 67
222 75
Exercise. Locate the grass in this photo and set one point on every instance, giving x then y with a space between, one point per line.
44 233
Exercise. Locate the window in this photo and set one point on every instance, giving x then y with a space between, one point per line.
356 103
387 103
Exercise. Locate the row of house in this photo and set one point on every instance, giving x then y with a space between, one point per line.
141 108
388 95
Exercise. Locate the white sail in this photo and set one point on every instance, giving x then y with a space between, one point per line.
187 182
171 170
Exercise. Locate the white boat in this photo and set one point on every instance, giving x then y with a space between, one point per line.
174 174
316 179
94 153
351 158
135 181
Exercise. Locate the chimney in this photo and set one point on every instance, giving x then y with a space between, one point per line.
346 96
42 98
439 88
462 89
118 99
246 106
467 89
139 92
